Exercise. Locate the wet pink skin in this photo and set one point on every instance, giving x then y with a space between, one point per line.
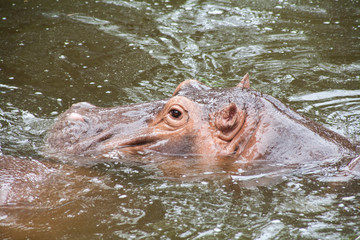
198 120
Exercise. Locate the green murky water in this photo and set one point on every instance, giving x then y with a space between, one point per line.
115 52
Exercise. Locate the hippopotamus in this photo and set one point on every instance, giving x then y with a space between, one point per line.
240 126
198 120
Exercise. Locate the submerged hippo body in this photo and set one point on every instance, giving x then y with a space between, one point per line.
196 120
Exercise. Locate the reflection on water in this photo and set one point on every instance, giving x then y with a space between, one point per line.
116 200
111 52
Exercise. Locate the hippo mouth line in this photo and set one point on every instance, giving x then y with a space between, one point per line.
136 142
141 141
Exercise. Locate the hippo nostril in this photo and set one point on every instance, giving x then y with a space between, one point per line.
76 117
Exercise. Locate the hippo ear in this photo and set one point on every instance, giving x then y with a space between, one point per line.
245 82
189 85
228 121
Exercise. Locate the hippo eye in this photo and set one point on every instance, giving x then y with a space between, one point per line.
175 113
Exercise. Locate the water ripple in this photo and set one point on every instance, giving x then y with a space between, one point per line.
325 95
340 109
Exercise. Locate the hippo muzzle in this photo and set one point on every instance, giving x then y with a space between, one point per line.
87 130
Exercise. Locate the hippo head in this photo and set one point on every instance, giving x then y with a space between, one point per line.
195 120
